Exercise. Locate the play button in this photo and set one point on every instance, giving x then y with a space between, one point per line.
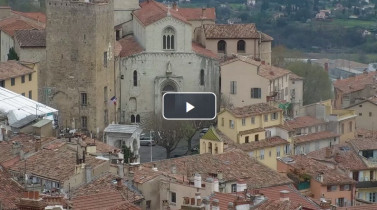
189 106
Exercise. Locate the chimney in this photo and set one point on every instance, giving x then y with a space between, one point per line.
230 206
216 185
320 177
215 204
173 169
175 6
241 186
198 199
38 144
119 183
198 181
16 147
327 67
263 62
83 156
328 152
337 157
207 203
154 167
284 195
31 200
220 175
121 170
88 173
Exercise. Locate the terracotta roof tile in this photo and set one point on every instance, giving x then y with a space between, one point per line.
224 199
10 25
129 46
360 207
252 110
343 155
270 142
234 164
31 38
125 206
152 11
303 122
250 131
117 48
197 48
97 201
356 83
107 184
38 16
293 76
11 69
10 191
198 13
315 136
365 133
306 165
44 163
364 143
295 197
234 31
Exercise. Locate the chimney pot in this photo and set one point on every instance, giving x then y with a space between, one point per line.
284 195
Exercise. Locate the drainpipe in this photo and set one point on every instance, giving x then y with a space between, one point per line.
259 45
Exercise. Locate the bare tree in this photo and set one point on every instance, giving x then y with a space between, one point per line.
168 133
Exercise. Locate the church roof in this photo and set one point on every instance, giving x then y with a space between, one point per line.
234 31
211 135
198 13
197 48
129 46
152 11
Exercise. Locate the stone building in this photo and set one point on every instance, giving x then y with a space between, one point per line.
159 57
79 76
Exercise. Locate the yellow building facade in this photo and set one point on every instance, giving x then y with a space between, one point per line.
20 78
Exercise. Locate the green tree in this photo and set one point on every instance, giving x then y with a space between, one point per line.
317 84
128 155
12 55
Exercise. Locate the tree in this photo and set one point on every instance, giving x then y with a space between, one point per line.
12 55
128 155
317 84
168 133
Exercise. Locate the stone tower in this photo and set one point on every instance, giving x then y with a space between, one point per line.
78 79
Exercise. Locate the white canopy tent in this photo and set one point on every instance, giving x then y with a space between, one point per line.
17 107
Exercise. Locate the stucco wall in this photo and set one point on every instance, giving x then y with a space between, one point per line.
7 42
313 146
30 54
24 88
366 115
270 155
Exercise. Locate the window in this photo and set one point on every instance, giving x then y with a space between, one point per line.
234 187
202 77
370 114
135 78
274 116
261 156
30 77
241 46
23 79
12 81
340 202
233 87
2 83
221 46
105 59
84 122
278 151
173 197
342 128
345 187
105 116
269 153
256 93
23 94
137 118
256 137
360 105
243 121
286 91
360 114
231 124
372 197
133 119
246 139
268 134
105 94
253 120
168 39
317 145
251 154
331 188
350 126
222 122
148 204
30 95
266 117
84 99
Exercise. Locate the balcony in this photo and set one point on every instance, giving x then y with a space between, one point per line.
342 114
366 184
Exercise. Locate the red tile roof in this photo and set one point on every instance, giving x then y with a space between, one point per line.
38 16
10 25
270 142
234 31
356 83
343 155
364 143
252 110
224 199
105 201
129 46
31 38
152 11
303 122
234 164
198 13
10 191
12 68
315 136
361 207
197 48
295 197
365 133
117 48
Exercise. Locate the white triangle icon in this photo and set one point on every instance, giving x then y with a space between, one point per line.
189 107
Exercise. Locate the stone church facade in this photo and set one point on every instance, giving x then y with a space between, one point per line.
162 58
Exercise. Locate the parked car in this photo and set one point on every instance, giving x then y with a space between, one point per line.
203 131
146 140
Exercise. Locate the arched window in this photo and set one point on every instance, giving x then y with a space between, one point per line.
168 88
168 39
241 46
137 118
202 77
135 78
133 120
221 46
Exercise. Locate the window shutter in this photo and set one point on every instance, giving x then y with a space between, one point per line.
367 196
